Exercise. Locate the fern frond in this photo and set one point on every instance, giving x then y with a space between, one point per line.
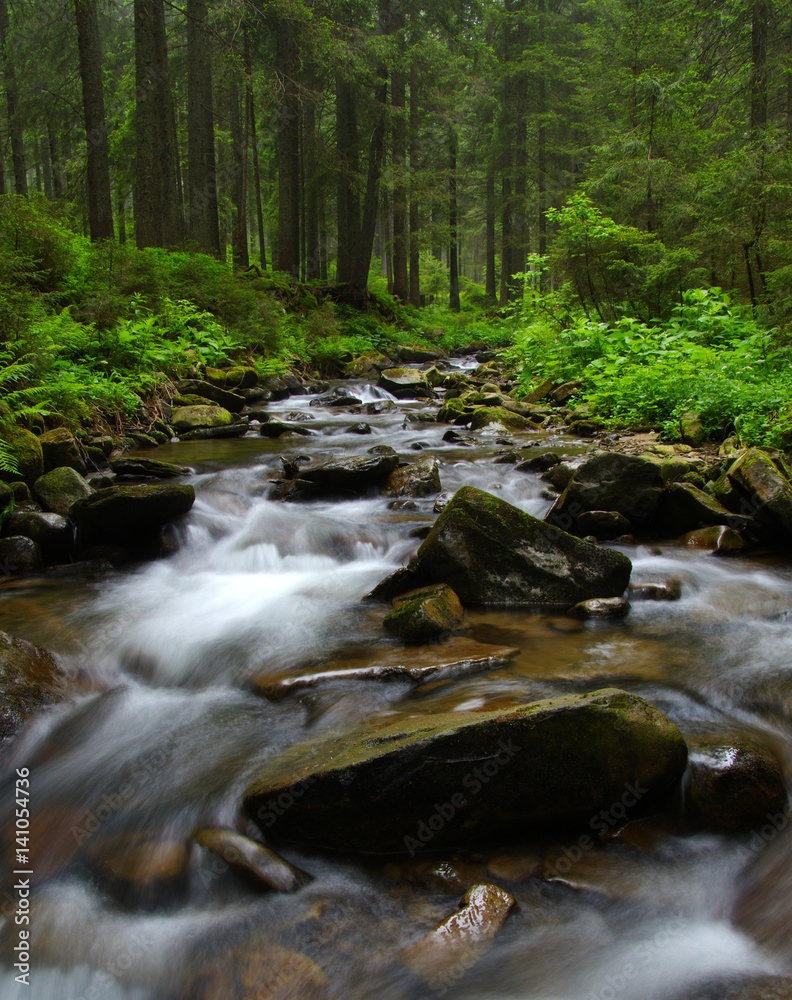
8 460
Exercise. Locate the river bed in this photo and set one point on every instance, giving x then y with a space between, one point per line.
170 730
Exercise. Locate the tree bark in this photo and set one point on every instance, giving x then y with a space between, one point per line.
15 124
239 132
348 206
288 151
204 223
453 245
758 69
158 222
490 278
415 213
401 283
100 203
312 255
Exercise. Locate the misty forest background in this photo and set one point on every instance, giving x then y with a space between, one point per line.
600 188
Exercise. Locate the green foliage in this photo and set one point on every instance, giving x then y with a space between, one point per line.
614 269
711 358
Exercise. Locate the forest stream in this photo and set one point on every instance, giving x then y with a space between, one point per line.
175 658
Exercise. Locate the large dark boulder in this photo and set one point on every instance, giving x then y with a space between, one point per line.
30 679
351 474
490 552
764 491
455 779
609 481
688 508
19 556
51 532
129 515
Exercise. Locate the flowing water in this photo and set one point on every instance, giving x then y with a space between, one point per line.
169 729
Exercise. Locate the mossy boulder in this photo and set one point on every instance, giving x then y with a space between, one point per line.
30 679
404 383
241 377
368 364
766 491
424 614
26 451
609 481
485 415
231 401
732 785
59 447
450 780
691 429
129 515
59 489
191 418
492 553
421 479
238 429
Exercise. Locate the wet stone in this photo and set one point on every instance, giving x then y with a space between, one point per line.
30 679
253 860
425 614
19 556
722 540
459 941
657 590
602 607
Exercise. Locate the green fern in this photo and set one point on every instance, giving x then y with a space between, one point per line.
8 461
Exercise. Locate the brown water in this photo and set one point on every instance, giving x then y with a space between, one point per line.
169 732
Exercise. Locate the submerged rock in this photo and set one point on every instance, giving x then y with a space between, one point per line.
609 481
492 553
30 679
254 861
443 955
422 479
424 614
127 515
659 590
454 779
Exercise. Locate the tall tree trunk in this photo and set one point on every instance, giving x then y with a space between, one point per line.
401 283
348 205
121 213
100 203
759 15
288 151
203 216
541 142
158 221
415 214
490 279
506 178
57 178
256 169
518 116
240 120
453 245
15 124
312 262
359 282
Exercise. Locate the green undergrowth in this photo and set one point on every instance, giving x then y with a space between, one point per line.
90 331
711 358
